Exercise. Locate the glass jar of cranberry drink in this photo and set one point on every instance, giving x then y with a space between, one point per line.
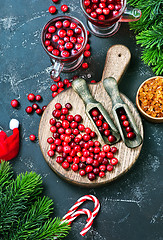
64 39
104 16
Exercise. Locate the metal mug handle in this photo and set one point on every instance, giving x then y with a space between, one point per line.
56 68
131 15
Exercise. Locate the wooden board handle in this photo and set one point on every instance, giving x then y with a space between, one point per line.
117 61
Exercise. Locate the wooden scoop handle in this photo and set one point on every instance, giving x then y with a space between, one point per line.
117 61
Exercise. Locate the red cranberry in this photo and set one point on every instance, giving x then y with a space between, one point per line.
129 129
105 161
91 143
53 129
58 124
95 163
52 9
65 81
102 168
14 103
114 161
91 176
89 160
102 154
87 3
65 165
44 107
99 123
60 90
61 130
35 106
109 167
81 127
64 111
62 33
111 138
97 143
87 47
111 7
58 24
87 53
96 150
78 30
56 135
69 159
59 149
68 106
106 11
67 139
93 15
66 23
70 33
38 98
70 118
64 8
73 125
50 153
29 109
51 29
39 111
82 165
82 172
59 159
53 146
53 87
57 141
101 174
75 131
99 10
66 39
106 148
101 17
50 140
52 121
31 97
68 131
85 65
54 94
65 124
113 149
96 171
74 167
32 137
55 38
123 117
92 134
110 155
48 36
73 25
62 117
131 135
73 39
107 133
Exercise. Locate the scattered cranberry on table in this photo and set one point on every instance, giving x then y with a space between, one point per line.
77 151
52 9
31 97
14 103
32 137
64 8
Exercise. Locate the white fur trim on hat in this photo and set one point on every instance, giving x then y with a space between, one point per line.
13 124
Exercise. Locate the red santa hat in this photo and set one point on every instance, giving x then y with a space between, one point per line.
9 146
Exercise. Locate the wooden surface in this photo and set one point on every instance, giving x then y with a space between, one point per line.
118 57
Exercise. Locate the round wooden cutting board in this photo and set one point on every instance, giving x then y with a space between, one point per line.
125 155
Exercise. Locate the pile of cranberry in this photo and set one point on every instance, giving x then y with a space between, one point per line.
64 38
125 123
76 150
102 9
102 125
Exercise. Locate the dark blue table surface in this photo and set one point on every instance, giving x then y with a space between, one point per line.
131 207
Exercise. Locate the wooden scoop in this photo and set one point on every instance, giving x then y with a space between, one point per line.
81 88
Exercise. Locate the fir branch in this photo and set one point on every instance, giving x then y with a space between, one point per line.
18 196
6 175
24 214
150 32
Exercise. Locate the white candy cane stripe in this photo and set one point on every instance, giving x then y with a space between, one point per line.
80 201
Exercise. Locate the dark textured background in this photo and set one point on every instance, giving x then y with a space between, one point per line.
131 207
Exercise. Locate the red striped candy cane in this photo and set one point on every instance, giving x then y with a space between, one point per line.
80 201
72 214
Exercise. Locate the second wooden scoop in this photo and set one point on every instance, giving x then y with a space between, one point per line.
80 86
118 105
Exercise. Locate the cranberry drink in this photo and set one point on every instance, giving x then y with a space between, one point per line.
103 12
64 38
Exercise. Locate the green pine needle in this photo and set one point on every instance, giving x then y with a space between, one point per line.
149 31
6 175
24 214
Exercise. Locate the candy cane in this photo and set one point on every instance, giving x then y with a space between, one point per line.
80 201
72 214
